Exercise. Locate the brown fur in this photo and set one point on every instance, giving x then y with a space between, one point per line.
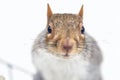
66 30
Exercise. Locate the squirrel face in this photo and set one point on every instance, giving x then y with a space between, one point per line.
64 37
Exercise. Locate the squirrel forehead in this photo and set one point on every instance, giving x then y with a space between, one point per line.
65 20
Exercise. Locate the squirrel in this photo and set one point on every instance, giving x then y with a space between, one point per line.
64 51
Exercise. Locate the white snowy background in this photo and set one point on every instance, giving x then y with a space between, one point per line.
22 20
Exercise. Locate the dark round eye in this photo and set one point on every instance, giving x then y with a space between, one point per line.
49 29
82 30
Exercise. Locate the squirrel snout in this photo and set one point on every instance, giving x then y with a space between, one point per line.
67 47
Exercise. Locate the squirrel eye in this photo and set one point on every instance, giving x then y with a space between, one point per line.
49 29
82 30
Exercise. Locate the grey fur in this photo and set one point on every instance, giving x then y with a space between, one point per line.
91 53
38 76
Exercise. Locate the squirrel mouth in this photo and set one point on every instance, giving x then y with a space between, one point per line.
66 53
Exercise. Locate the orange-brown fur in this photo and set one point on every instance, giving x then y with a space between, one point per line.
69 25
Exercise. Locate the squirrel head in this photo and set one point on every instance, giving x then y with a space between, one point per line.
65 33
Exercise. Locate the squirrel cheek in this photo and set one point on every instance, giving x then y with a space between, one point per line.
82 37
49 36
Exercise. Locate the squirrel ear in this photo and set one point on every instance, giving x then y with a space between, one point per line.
81 12
49 12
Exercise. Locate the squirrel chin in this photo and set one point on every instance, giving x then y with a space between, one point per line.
65 55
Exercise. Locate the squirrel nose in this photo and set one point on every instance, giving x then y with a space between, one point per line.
67 47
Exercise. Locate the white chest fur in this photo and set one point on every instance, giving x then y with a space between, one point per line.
54 68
